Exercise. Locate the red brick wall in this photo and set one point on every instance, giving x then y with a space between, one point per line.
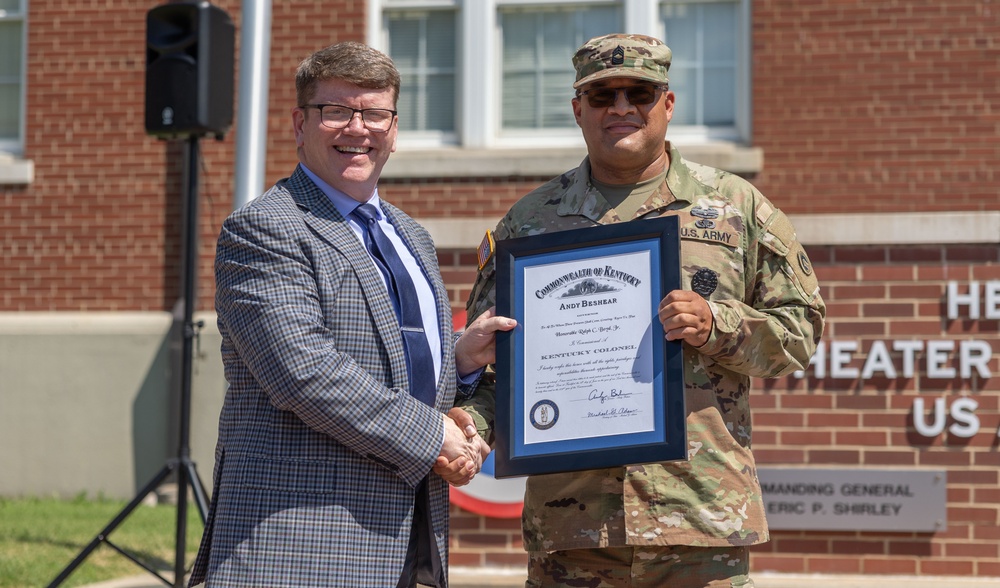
863 106
877 105
478 541
100 228
890 293
873 293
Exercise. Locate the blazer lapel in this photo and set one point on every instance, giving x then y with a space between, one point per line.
322 216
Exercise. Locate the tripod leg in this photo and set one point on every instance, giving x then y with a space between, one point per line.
102 536
187 476
198 489
180 554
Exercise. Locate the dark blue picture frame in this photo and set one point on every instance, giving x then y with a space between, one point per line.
668 441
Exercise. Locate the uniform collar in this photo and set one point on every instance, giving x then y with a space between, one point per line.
583 199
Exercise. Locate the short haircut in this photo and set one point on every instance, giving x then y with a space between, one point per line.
352 62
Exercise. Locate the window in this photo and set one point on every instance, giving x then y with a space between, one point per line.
422 45
536 71
705 38
12 13
498 73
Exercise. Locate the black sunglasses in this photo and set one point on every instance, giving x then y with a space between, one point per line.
638 95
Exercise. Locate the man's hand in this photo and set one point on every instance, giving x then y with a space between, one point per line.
686 315
478 344
460 470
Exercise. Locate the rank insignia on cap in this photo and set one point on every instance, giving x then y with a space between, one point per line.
485 249
618 56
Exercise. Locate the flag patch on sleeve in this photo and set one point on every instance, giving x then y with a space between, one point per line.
486 249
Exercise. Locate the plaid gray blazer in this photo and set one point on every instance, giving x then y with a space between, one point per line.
320 445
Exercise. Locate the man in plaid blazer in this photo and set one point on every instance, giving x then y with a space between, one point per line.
324 461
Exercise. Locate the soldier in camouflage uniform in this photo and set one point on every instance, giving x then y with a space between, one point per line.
749 307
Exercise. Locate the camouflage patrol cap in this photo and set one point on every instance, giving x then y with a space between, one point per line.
622 56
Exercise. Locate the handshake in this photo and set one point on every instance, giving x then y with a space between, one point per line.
463 451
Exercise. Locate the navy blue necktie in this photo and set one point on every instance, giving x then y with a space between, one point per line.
419 363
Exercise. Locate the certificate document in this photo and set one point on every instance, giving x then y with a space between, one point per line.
588 365
587 379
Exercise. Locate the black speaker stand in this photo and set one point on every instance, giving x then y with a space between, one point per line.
181 465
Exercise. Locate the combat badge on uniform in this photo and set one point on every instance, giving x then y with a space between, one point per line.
486 249
704 282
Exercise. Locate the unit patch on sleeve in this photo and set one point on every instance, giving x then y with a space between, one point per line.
804 263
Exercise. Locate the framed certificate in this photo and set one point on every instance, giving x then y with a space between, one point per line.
587 379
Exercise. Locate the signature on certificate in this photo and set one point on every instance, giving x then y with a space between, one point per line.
603 396
612 413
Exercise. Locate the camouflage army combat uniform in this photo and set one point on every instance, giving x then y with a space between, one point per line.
741 254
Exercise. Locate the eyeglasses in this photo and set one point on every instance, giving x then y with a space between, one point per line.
637 95
336 116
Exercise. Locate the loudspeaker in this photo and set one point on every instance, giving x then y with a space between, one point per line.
190 49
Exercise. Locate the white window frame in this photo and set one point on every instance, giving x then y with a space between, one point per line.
13 169
16 146
479 94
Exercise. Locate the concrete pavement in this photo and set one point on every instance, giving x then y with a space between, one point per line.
496 578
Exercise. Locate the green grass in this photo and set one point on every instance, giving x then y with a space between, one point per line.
40 537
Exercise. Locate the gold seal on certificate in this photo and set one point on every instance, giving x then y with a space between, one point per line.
587 378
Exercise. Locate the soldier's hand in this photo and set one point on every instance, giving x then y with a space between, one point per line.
476 347
687 316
